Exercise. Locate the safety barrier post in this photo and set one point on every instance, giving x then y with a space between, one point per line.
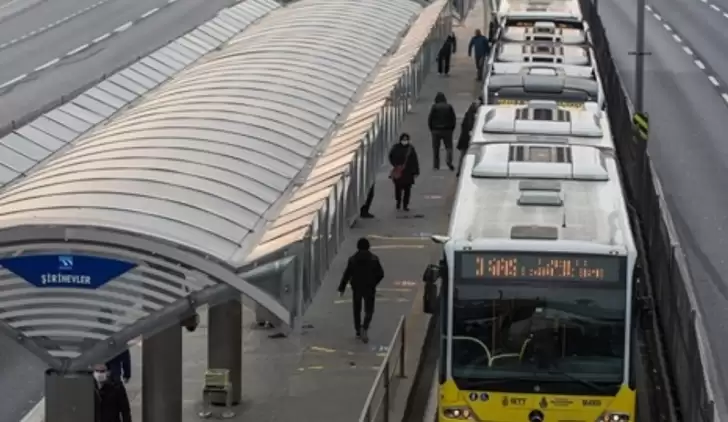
387 392
402 352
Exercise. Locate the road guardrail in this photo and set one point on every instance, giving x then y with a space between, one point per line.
689 358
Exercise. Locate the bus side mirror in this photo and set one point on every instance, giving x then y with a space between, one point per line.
429 299
431 274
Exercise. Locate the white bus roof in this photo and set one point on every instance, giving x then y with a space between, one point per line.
575 71
544 31
544 53
532 197
546 9
586 125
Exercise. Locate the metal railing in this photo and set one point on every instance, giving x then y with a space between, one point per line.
670 282
315 238
378 406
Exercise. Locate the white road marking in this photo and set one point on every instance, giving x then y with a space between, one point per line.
677 38
124 27
725 15
14 81
700 64
51 25
667 27
658 17
725 97
688 50
77 50
47 64
150 13
713 80
101 38
648 8
714 7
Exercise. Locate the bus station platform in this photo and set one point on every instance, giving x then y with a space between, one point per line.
321 372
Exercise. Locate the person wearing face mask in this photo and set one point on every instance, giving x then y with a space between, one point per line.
112 402
405 169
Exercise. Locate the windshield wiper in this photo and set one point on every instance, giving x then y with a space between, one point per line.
554 371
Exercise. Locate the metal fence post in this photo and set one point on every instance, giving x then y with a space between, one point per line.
402 350
386 392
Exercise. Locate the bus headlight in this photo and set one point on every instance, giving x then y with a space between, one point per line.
613 417
459 413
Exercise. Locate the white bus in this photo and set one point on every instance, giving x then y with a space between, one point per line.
539 121
573 60
561 10
542 82
537 279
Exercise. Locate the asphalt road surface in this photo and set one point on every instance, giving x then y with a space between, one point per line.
49 36
56 46
685 95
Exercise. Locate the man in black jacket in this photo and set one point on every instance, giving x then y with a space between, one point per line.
445 54
120 366
466 129
112 402
363 272
442 122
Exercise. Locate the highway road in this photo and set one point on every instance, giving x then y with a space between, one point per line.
58 36
56 46
687 99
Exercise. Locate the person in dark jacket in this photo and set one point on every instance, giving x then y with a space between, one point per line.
112 403
466 129
493 28
442 121
480 44
445 54
120 366
405 169
364 210
363 273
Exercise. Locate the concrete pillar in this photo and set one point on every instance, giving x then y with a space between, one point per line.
69 397
225 345
162 376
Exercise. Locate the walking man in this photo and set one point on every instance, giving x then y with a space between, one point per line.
120 367
363 272
480 44
466 130
445 53
112 403
442 121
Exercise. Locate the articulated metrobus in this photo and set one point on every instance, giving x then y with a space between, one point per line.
536 300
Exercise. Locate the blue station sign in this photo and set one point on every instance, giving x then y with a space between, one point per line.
74 271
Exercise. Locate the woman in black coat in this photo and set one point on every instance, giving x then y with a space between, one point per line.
405 168
466 130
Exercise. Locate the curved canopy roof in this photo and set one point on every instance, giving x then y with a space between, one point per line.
205 161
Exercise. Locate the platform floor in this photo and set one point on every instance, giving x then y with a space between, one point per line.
324 374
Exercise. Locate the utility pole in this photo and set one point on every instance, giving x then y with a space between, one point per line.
640 57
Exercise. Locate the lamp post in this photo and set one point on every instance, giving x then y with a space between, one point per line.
640 57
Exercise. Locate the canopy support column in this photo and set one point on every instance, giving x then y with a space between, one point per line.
225 345
162 376
70 396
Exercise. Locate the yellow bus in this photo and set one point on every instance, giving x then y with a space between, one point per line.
536 295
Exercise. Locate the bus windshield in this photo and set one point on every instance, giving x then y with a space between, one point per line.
526 336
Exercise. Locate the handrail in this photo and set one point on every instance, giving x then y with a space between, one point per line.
392 369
